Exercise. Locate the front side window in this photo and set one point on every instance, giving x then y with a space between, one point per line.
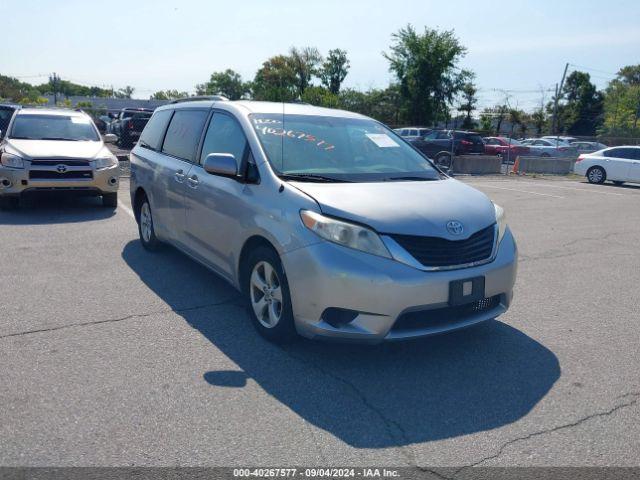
184 133
153 132
224 135
338 149
53 127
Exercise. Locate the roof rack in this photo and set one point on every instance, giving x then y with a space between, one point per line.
219 98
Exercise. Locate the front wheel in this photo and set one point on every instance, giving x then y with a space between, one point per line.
268 299
145 227
596 175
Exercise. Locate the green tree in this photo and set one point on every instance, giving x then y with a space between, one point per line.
168 95
334 70
581 112
125 92
304 63
275 81
228 83
539 120
320 97
622 103
469 100
425 66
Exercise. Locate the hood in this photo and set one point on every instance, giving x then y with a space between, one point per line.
32 149
408 208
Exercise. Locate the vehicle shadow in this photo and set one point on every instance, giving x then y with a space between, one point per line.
367 396
50 208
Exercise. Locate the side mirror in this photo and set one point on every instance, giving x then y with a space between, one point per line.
223 164
110 138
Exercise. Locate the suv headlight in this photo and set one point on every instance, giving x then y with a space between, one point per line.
105 162
12 161
346 234
501 220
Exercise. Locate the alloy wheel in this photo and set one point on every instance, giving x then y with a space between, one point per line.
266 294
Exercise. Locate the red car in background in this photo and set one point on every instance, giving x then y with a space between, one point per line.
501 145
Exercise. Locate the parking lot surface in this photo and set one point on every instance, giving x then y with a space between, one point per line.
110 355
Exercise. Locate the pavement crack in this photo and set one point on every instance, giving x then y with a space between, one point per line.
606 413
394 429
121 319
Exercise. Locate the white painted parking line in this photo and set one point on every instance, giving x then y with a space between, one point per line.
126 209
479 185
548 185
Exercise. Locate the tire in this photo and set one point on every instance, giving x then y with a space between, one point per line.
443 160
264 277
110 200
9 203
596 175
618 183
146 230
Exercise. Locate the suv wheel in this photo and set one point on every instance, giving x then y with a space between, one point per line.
110 200
145 227
596 175
268 299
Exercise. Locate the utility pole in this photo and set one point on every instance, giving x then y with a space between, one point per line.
55 82
555 103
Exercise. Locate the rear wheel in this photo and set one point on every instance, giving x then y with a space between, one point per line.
110 200
443 160
268 299
596 175
145 226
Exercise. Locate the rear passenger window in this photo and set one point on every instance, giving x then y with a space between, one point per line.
154 130
184 133
224 135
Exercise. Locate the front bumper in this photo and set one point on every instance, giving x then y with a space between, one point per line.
325 275
14 182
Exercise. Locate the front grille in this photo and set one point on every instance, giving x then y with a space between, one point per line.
53 162
440 252
50 175
441 317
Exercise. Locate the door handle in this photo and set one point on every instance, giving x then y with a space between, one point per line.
179 176
193 181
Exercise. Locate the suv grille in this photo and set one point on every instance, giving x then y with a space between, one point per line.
53 161
440 252
49 175
444 316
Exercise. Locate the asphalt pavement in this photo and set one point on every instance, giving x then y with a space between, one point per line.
113 356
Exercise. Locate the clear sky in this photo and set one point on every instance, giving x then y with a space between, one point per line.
521 46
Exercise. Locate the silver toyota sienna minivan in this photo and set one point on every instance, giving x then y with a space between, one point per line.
330 224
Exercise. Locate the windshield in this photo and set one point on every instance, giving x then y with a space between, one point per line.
341 149
53 127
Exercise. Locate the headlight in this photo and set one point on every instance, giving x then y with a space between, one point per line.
343 233
12 161
105 162
501 220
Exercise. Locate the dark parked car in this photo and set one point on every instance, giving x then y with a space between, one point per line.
437 145
6 112
128 125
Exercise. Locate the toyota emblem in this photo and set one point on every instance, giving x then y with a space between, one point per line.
61 168
454 227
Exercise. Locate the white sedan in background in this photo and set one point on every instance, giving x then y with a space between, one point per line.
617 164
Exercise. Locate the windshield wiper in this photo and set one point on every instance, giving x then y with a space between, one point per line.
60 138
409 178
311 177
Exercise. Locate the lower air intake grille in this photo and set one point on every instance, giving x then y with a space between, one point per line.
444 316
